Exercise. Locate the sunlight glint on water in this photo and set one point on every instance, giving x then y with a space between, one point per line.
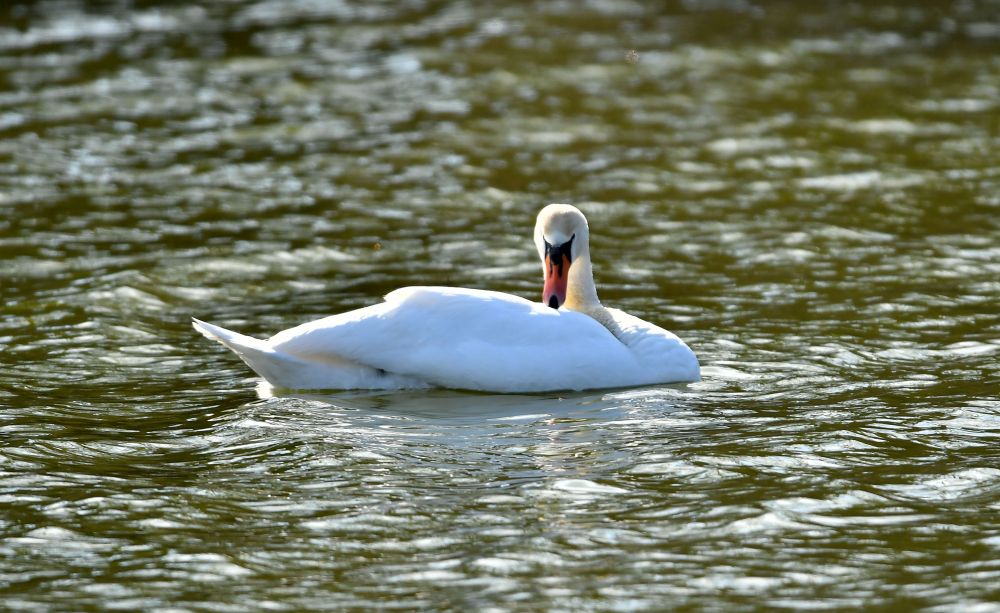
806 194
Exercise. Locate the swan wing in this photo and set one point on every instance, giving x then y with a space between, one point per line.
468 339
662 353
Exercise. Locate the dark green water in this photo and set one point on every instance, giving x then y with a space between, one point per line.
808 193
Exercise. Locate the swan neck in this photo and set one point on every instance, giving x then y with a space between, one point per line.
581 296
581 293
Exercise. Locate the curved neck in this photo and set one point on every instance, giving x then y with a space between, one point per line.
581 293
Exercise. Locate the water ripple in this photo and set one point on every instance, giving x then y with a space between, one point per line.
806 194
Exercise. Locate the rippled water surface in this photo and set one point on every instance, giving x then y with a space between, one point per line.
808 193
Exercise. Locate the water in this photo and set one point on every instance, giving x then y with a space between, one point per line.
807 194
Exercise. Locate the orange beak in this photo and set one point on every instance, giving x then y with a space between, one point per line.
556 274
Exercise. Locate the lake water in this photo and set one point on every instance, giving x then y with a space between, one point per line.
808 193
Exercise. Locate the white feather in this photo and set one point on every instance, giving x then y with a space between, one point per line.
463 339
475 339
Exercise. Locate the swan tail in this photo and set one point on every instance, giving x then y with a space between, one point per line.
279 369
233 340
292 372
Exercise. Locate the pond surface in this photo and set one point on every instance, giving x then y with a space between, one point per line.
808 193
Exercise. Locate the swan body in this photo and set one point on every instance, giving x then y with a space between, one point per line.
476 339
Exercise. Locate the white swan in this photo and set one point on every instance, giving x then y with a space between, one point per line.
476 339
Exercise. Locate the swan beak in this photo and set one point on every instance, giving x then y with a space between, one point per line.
558 259
556 274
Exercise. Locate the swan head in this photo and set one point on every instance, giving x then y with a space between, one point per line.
562 239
